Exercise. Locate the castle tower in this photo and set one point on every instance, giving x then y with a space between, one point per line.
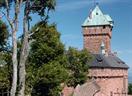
97 28
108 74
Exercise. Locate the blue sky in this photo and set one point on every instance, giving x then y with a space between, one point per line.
70 14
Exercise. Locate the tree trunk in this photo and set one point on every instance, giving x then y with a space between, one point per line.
23 54
14 60
23 58
14 27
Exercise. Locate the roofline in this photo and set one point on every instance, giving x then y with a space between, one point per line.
100 34
96 25
92 67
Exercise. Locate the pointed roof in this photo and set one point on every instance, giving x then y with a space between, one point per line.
87 89
97 17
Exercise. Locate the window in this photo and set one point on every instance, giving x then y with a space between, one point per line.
104 27
111 93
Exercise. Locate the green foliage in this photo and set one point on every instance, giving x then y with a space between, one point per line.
78 64
45 71
41 7
4 77
3 35
4 58
130 88
46 45
50 76
53 73
4 71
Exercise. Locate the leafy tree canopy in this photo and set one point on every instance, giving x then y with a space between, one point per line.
46 69
78 64
50 77
41 7
46 45
130 88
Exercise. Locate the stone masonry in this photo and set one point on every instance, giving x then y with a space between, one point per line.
112 82
93 36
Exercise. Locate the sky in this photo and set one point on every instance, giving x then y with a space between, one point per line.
70 14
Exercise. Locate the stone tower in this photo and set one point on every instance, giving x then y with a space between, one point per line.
108 71
97 28
108 74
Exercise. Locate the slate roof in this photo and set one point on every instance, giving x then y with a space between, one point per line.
87 89
110 61
97 17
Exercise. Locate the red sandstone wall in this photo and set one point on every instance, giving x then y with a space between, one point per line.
113 82
67 91
93 37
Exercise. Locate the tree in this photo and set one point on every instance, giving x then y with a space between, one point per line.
46 69
78 64
130 88
42 7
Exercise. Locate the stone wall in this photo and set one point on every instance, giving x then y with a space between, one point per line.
93 36
112 82
67 91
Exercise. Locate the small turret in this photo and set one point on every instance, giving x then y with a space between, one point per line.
102 48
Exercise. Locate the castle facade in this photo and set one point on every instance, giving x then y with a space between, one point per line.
107 70
108 74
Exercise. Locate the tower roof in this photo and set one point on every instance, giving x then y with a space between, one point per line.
96 17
